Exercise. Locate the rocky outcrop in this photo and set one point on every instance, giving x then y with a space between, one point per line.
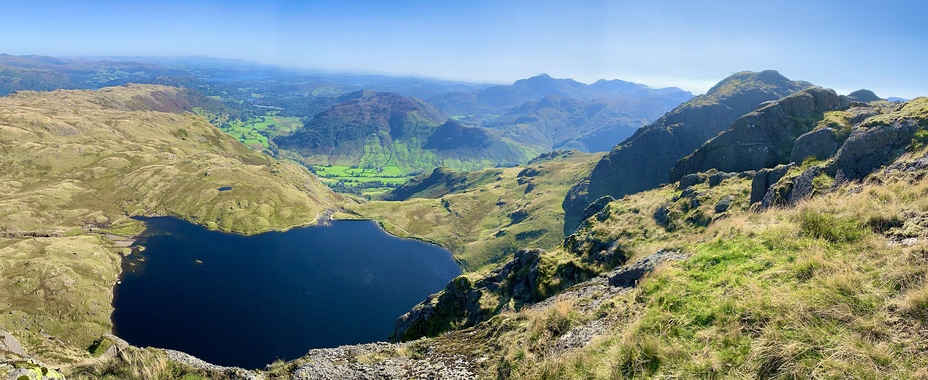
764 179
763 138
642 161
790 190
871 146
630 274
819 144
10 346
462 304
595 207
17 364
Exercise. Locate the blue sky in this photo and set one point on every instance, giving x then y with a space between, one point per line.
844 45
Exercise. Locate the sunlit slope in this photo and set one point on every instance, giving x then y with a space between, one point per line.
74 160
485 216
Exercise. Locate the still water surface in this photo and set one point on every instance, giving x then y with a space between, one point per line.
249 300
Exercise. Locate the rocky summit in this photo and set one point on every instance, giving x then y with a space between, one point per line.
644 160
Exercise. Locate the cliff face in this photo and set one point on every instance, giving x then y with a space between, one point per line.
765 137
642 161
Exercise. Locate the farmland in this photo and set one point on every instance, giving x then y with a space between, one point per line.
363 181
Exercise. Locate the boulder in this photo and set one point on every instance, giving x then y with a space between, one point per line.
724 204
803 185
717 178
10 345
819 144
764 179
628 275
691 179
661 214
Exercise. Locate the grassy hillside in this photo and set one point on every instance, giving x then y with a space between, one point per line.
835 287
74 165
492 213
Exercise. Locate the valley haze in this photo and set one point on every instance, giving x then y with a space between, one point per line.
665 43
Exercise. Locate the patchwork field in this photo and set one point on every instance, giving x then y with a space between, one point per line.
364 181
256 131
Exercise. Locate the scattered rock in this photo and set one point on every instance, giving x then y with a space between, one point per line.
691 179
723 204
32 370
717 178
231 372
661 214
907 167
629 275
10 345
764 179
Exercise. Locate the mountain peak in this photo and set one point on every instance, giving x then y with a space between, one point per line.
749 79
863 95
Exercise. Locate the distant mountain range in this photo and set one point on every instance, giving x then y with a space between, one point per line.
375 120
588 125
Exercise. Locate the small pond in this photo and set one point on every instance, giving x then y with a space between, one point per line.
249 300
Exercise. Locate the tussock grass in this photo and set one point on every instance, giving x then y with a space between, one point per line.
816 291
142 364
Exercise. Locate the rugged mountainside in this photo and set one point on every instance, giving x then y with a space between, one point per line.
74 165
586 125
378 128
766 137
644 160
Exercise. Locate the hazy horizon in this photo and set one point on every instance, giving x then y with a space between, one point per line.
845 45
